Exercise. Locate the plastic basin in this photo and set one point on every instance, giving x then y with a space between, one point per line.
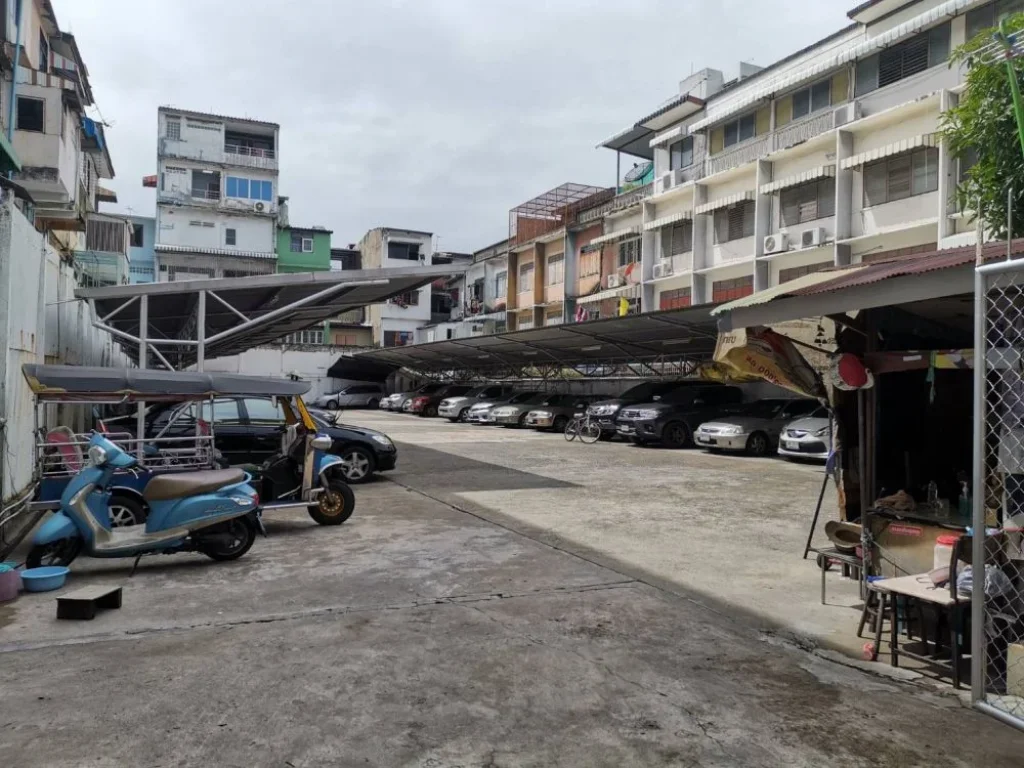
44 579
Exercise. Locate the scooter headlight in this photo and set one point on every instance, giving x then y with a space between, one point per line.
97 455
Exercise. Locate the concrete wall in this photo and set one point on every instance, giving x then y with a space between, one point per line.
42 323
57 146
175 227
282 360
144 257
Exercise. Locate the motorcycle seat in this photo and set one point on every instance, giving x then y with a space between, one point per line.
181 484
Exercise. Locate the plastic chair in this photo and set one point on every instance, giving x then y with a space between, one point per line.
63 440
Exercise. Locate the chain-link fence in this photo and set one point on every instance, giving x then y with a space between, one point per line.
995 580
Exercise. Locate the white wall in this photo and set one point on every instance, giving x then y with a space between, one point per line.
279 361
200 139
253 233
57 146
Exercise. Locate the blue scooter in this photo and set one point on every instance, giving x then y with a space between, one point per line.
213 512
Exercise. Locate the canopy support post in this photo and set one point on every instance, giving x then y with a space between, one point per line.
140 407
201 330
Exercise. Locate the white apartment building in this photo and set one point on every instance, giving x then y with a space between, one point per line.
481 293
394 323
217 195
829 157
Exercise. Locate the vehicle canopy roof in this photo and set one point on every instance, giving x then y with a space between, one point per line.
66 382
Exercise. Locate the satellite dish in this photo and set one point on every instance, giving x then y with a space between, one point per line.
638 172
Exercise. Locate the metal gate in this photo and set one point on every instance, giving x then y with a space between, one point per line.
997 639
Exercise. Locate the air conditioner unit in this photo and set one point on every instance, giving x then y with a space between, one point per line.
665 182
259 207
846 113
307 245
663 268
775 243
812 238
614 281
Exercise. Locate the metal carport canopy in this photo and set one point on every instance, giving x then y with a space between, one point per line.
182 323
655 337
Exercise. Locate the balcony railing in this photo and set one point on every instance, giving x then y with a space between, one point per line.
250 157
620 202
795 133
747 152
205 194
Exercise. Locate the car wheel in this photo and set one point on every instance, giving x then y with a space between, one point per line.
758 444
332 405
430 411
675 435
638 441
359 464
558 425
463 414
522 421
374 403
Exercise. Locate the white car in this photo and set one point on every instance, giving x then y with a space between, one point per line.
456 408
352 396
807 438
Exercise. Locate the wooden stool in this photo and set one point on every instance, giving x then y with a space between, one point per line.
84 603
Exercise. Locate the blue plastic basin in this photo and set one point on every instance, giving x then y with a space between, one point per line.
44 579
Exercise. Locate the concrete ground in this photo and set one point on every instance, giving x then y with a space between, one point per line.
422 634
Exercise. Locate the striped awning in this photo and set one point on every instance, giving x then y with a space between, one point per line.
199 251
672 218
630 291
619 234
667 136
896 148
725 202
821 172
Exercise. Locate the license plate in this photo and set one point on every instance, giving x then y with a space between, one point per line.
790 445
626 430
711 441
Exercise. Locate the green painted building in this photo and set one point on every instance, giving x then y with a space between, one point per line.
303 249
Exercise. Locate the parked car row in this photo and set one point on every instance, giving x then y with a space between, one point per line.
675 414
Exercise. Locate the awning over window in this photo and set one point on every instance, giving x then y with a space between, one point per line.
896 148
188 249
667 136
725 202
672 218
821 172
619 234
631 291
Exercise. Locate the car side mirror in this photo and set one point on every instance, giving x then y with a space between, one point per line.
321 442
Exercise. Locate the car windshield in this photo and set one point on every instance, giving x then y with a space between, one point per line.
456 391
522 397
540 398
649 390
429 389
764 409
817 413
473 392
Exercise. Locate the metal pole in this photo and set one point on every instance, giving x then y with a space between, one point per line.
201 331
140 408
1009 224
978 663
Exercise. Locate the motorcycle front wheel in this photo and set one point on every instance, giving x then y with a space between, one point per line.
334 505
59 552
228 541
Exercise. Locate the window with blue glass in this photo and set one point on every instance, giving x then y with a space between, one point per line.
249 189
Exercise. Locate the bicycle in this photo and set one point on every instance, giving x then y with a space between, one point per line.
584 427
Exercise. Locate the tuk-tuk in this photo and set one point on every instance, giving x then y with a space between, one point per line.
300 475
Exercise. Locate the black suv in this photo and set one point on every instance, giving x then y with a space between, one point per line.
247 430
604 412
672 419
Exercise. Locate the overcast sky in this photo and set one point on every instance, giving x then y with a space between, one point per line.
437 115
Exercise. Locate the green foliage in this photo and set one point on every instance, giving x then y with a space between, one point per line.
984 121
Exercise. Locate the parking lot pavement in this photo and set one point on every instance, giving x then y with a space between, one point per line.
420 635
722 528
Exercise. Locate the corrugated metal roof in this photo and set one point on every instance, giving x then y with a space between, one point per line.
789 288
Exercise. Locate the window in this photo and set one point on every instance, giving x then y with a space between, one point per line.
785 275
811 99
501 285
590 262
808 202
230 237
44 53
225 411
407 299
903 60
741 129
526 277
263 410
173 128
967 161
727 290
249 189
137 236
680 297
556 270
629 252
397 338
900 177
314 336
30 114
406 251
680 154
988 16
734 222
676 239
295 244
206 185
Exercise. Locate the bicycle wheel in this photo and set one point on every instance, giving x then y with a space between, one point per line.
589 432
572 429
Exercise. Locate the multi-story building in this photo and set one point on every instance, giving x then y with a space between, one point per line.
143 262
346 258
217 196
831 156
395 322
483 292
55 151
